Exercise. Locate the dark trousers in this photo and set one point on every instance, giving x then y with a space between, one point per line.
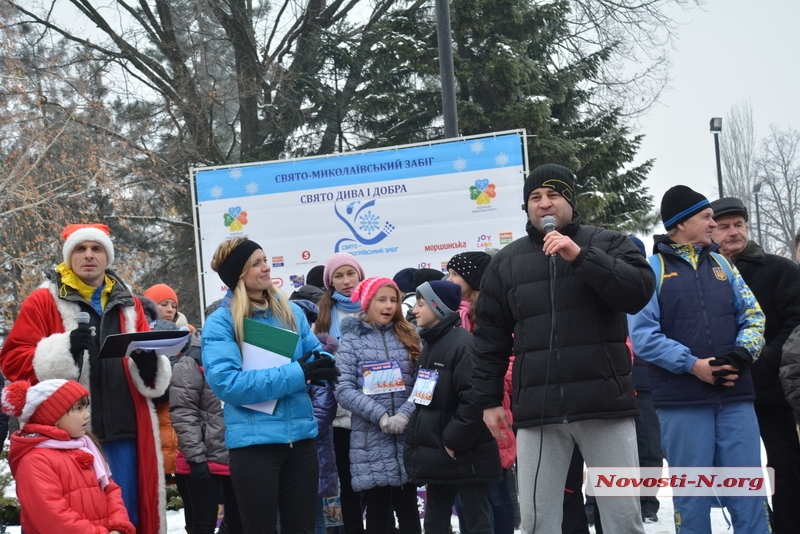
270 477
352 512
501 507
182 483
379 502
648 439
475 508
779 434
204 498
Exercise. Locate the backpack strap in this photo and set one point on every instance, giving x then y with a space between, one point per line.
657 264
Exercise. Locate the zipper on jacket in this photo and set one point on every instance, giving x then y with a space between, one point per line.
396 449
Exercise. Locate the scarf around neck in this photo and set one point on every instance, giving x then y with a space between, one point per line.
345 305
85 444
463 311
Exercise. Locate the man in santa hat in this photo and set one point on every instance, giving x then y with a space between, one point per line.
47 341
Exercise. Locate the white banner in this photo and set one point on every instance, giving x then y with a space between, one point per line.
413 206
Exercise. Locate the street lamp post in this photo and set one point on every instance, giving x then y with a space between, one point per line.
756 191
716 128
446 70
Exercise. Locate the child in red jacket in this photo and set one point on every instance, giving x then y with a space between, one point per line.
63 481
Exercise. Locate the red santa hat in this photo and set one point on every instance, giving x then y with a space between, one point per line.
75 234
43 403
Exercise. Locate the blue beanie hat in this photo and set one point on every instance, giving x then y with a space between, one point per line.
442 297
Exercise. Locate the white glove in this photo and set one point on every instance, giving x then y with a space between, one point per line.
396 424
384 422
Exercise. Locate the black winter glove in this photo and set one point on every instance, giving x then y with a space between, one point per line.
199 472
739 358
147 362
322 367
80 340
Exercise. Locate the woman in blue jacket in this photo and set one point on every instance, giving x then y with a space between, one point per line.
273 458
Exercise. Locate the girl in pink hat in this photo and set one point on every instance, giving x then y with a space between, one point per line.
341 276
378 354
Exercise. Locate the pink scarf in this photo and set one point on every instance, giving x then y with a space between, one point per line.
463 311
85 444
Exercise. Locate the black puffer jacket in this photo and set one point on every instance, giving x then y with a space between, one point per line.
775 282
451 419
588 371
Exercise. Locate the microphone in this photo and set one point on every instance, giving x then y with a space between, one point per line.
83 318
548 223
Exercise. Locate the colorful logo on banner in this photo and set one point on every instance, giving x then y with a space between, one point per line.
506 238
482 192
364 223
235 219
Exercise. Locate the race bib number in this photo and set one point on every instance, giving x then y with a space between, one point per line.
382 377
424 386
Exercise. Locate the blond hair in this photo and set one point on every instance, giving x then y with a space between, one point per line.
241 305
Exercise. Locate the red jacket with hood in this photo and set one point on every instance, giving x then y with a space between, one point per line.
58 489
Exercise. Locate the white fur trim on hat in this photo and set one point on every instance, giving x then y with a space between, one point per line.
36 395
88 234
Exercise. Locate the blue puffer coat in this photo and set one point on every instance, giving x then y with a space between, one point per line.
376 459
293 419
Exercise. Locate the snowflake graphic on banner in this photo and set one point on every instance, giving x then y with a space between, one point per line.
369 222
476 147
216 192
482 192
235 173
501 160
251 188
460 164
235 219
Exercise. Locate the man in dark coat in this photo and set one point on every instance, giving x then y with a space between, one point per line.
775 282
559 300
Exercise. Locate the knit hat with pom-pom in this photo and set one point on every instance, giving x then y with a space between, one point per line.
43 403
366 289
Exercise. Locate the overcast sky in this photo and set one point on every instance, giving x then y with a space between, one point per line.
727 51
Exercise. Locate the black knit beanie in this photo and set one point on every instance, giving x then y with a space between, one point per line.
314 276
553 176
426 275
471 266
680 203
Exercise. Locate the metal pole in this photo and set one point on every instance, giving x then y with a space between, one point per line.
719 168
758 222
446 70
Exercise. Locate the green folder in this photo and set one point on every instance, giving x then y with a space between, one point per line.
271 338
266 347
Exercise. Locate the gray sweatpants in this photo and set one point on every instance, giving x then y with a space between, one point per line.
603 443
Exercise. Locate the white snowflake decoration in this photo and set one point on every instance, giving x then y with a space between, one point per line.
216 192
476 147
501 160
460 164
251 188
235 173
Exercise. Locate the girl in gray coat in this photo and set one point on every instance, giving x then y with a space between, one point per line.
377 358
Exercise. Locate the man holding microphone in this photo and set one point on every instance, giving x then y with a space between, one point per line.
557 298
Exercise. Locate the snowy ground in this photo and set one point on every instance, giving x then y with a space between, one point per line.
665 523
